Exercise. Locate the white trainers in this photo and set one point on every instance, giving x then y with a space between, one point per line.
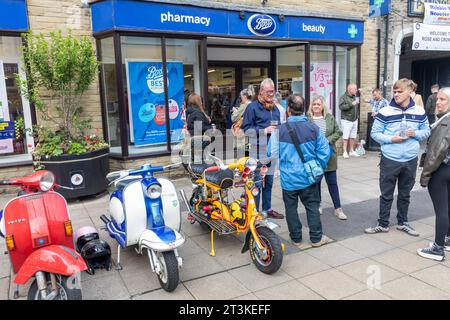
354 154
345 155
340 214
320 210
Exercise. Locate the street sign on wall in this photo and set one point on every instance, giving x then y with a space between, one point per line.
437 14
378 8
416 8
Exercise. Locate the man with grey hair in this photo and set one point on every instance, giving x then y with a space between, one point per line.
261 118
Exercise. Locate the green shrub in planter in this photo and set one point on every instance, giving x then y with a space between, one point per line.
59 69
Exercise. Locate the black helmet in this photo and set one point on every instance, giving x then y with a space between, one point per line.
95 252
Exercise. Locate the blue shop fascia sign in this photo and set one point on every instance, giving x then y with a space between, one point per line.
150 16
13 15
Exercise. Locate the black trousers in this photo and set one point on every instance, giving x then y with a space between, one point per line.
391 174
439 189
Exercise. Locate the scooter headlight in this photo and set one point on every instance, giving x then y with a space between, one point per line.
154 191
47 181
251 163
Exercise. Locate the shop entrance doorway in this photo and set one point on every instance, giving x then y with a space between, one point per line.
225 81
424 67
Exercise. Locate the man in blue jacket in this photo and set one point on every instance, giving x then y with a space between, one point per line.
258 124
294 179
398 128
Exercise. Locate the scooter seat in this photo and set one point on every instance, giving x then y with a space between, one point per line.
224 179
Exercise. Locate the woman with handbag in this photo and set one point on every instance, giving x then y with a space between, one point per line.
436 175
318 115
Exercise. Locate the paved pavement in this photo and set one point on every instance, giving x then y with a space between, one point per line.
355 266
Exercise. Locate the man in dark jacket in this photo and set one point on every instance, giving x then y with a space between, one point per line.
259 121
430 106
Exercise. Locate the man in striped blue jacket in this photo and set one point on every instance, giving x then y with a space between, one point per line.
294 179
398 128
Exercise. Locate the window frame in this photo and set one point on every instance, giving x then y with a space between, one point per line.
203 58
29 112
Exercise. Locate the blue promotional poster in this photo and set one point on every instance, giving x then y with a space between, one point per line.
147 103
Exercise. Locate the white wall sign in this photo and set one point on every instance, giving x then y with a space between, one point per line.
437 14
431 37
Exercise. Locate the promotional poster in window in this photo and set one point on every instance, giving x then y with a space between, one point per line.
147 102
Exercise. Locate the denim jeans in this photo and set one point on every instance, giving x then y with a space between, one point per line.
392 172
331 179
266 193
310 199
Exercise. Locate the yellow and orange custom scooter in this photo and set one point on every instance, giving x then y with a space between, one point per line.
209 205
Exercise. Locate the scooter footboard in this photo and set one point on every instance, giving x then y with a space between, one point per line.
161 239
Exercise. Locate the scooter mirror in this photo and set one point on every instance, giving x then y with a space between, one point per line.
112 176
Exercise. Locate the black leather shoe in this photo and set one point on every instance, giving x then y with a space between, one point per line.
274 215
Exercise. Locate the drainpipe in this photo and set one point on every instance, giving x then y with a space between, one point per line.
386 44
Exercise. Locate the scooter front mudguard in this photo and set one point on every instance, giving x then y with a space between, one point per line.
163 239
53 259
260 223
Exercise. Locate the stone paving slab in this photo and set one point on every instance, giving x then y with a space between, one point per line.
334 254
371 294
222 286
291 290
437 276
181 293
366 246
404 261
409 288
302 264
255 280
367 271
332 284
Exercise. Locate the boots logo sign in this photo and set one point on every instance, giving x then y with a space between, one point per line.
155 80
261 25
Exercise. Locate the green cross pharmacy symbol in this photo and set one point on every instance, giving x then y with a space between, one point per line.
378 3
352 31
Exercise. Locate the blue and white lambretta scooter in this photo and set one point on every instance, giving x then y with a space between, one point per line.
145 211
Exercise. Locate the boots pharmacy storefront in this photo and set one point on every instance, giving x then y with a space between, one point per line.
153 52
15 114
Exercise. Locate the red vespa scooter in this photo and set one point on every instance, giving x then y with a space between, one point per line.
38 233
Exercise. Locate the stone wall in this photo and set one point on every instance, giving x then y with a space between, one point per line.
46 16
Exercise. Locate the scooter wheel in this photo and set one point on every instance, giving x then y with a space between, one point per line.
64 293
272 262
169 277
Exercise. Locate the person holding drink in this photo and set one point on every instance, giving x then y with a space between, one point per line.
398 128
261 119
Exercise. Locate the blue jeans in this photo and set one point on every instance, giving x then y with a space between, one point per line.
266 193
331 179
310 199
